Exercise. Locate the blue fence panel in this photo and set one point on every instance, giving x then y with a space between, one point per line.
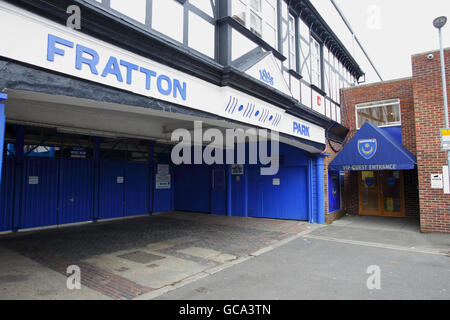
283 196
193 188
3 96
39 193
76 190
334 191
219 191
137 189
7 195
255 194
163 199
111 197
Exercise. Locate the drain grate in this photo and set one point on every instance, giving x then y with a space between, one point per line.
141 257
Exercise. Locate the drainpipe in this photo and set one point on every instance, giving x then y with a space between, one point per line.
3 97
151 169
18 176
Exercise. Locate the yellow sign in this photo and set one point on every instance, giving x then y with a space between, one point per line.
390 204
445 132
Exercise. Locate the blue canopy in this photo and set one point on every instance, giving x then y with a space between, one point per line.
373 149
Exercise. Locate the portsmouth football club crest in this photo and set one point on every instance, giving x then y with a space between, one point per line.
334 185
367 148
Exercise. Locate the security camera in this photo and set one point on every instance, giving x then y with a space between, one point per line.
430 56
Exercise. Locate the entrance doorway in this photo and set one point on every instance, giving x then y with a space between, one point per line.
381 193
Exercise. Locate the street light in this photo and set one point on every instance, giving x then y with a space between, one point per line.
439 23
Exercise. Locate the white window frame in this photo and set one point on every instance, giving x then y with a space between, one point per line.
314 60
378 104
292 42
259 15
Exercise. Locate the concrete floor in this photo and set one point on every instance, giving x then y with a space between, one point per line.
200 256
331 263
132 258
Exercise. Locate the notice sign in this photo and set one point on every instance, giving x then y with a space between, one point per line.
237 169
163 169
163 181
276 182
445 142
33 180
436 181
120 180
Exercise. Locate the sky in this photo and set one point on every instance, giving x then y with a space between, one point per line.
390 30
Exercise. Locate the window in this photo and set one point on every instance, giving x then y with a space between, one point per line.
316 63
136 11
381 113
167 18
259 16
292 44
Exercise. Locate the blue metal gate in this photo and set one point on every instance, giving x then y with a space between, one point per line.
111 196
39 193
193 188
124 189
7 194
283 196
137 188
219 191
76 190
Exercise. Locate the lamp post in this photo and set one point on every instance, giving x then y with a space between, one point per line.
439 23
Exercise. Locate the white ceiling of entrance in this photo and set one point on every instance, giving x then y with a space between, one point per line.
105 119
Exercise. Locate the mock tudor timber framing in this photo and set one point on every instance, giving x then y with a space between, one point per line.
220 72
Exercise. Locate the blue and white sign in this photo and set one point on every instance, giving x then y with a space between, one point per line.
268 71
367 148
265 76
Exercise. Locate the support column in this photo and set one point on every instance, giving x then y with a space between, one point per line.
151 169
228 173
3 97
311 198
223 33
18 176
246 191
320 214
97 159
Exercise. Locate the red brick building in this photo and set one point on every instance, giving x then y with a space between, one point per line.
411 111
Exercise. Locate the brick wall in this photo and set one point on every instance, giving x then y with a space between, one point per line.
429 119
397 89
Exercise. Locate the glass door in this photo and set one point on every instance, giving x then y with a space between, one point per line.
381 193
369 196
392 193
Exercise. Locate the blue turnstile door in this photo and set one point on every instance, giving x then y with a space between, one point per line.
76 191
111 196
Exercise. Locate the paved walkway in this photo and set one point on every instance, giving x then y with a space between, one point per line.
133 258
332 263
